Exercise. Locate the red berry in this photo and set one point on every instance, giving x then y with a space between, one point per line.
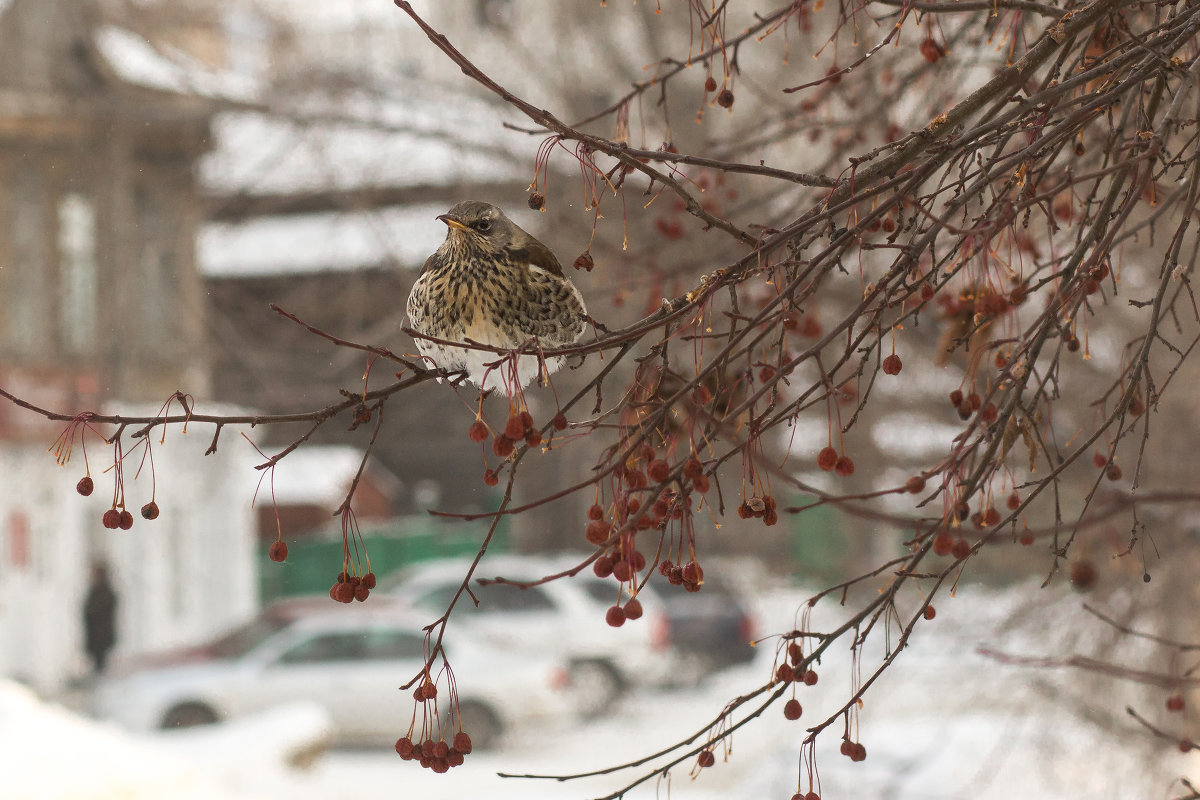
710 84
706 759
956 398
536 200
150 510
278 551
892 365
795 653
692 573
343 592
514 428
533 438
1026 539
1013 502
784 673
125 520
622 570
961 549
943 544
846 748
989 413
502 446
931 51
1083 575
526 420
596 511
111 519
1099 460
491 477
615 616
974 401
844 467
404 747
361 592
454 758
827 459
810 678
559 422
930 612
368 580
725 98
860 752
915 484
1185 745
596 531
462 742
1175 702
658 470
85 486
702 484
478 431
603 566
792 709
633 609
1113 473
692 468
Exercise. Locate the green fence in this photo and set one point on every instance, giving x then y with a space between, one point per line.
313 563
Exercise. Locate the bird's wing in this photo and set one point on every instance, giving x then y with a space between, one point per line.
538 255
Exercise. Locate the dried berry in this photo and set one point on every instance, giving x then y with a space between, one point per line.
111 519
658 470
931 51
491 477
929 613
478 431
514 428
559 422
1083 575
596 531
1175 702
150 510
961 549
85 486
537 201
892 365
615 616
362 414
792 709
596 511
125 520
368 580
844 467
784 673
585 262
710 84
956 398
278 551
810 678
725 98
706 758
1113 472
827 459
915 484
633 609
603 566
533 438
462 742
502 446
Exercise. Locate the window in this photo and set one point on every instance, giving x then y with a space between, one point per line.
392 645
159 305
77 265
327 647
27 330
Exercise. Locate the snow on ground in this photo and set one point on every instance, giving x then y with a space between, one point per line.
944 724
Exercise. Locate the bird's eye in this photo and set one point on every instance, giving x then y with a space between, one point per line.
483 226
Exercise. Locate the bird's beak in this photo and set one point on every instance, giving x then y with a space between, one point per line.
452 223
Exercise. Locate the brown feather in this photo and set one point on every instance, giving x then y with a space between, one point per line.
534 252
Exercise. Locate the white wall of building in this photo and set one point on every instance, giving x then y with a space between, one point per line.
179 579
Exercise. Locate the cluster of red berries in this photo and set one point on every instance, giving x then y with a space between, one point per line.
760 507
946 545
1112 470
439 755
966 406
690 575
349 588
806 796
117 516
987 301
853 750
829 461
518 427
809 327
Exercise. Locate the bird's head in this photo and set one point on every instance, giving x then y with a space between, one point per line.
482 226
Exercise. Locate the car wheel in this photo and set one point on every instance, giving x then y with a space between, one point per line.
188 715
597 684
481 723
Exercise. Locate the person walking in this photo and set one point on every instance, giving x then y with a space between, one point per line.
99 617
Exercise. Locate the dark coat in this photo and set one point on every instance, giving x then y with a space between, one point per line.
100 617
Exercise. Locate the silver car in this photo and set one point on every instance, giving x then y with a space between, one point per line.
349 659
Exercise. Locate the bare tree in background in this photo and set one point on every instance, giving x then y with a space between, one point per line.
891 218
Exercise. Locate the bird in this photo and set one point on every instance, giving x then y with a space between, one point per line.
492 283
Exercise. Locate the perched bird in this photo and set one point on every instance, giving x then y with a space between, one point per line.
492 283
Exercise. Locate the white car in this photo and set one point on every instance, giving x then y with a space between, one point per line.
349 659
564 618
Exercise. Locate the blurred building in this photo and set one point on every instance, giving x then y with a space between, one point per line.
103 307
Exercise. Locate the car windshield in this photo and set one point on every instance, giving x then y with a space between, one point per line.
242 640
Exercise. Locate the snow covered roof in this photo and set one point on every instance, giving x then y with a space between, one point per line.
321 474
324 141
320 242
136 60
